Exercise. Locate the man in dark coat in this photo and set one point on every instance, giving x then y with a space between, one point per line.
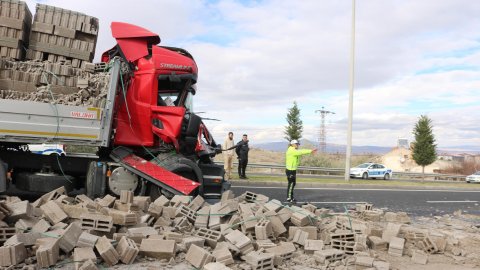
242 154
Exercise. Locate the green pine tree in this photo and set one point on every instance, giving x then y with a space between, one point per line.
424 147
295 126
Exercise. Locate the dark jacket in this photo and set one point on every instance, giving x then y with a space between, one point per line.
241 148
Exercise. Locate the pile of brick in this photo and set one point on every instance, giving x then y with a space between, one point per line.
60 45
245 232
15 24
58 34
38 81
55 35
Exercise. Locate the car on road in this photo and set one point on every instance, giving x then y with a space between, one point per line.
47 149
474 178
371 170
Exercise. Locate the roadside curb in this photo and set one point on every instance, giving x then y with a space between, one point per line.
345 186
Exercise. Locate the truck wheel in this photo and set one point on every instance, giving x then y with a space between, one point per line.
122 179
95 182
155 191
365 175
3 177
178 165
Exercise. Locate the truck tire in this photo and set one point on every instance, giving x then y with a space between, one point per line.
43 182
3 177
155 191
96 179
179 165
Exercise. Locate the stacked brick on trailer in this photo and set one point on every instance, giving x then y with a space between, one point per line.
38 81
15 22
59 34
61 44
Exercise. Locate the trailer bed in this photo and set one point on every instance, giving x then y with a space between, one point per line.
38 122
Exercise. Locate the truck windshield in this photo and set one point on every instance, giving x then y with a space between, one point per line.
189 102
175 90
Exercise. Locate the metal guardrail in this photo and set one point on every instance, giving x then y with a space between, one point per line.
340 171
434 176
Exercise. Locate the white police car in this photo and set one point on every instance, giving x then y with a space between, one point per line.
370 170
474 178
47 149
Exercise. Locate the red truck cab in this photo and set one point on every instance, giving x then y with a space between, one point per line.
154 108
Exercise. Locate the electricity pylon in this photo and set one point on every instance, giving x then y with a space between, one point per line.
322 133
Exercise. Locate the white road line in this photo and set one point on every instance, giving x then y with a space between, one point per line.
331 202
452 201
366 189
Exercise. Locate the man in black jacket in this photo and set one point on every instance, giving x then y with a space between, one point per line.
242 154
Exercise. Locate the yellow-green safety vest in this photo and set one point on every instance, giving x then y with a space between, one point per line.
292 157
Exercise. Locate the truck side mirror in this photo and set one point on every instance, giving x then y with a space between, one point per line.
218 149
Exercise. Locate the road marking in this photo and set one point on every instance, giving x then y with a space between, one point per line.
452 201
366 189
332 202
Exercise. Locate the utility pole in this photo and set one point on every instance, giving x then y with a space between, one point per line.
322 134
348 155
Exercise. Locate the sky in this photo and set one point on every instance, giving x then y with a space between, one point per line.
256 58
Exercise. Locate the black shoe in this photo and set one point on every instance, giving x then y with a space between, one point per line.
293 200
245 177
242 177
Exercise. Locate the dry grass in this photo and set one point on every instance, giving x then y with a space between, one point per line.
336 160
318 160
80 149
463 168
261 156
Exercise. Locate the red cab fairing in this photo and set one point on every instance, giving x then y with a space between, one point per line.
133 40
139 116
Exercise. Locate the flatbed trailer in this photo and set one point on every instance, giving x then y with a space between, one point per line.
30 121
25 122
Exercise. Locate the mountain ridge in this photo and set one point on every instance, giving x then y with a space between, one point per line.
363 149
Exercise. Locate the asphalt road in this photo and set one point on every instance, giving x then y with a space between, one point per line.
416 202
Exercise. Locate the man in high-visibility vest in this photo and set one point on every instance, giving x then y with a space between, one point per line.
292 159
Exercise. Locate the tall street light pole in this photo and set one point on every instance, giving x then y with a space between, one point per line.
350 99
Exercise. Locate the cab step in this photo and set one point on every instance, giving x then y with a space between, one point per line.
153 173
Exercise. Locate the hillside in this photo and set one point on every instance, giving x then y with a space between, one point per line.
257 155
400 160
363 149
331 148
